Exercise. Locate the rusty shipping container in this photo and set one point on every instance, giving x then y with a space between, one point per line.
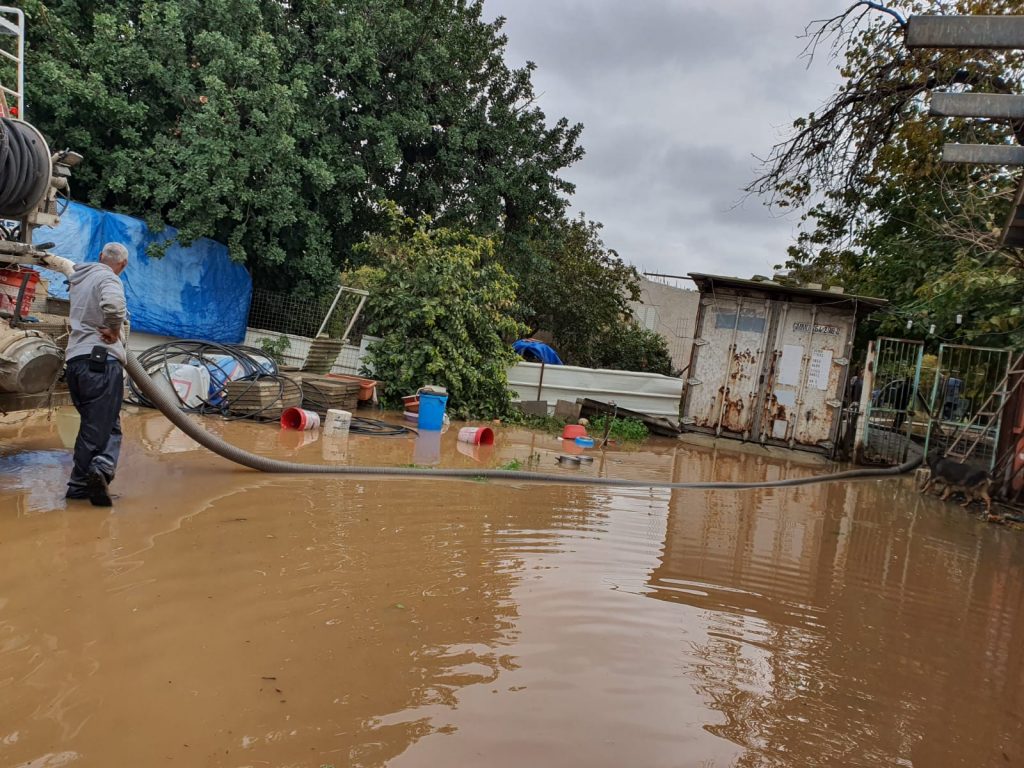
770 362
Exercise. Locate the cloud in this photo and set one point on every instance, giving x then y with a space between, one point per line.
676 97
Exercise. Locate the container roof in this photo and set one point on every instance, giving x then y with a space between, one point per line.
707 283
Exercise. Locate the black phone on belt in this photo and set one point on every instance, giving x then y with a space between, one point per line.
98 358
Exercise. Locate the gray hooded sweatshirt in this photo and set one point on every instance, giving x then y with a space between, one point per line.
97 301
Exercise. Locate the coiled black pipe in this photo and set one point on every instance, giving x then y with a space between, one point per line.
24 167
167 403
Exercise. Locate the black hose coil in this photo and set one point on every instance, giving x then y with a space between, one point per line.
24 167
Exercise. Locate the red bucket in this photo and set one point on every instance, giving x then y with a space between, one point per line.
10 285
572 431
297 418
477 435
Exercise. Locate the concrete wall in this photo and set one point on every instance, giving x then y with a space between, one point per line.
672 312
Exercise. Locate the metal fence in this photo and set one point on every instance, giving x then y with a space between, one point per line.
889 425
285 325
966 403
334 315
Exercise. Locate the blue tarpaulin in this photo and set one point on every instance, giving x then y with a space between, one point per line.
534 351
191 293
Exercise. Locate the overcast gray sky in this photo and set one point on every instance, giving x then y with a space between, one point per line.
676 97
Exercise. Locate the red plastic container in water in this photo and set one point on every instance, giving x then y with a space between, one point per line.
572 431
297 418
477 435
10 284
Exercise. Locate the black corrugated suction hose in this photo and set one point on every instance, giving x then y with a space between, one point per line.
24 167
168 405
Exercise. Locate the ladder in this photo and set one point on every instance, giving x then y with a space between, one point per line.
12 24
962 446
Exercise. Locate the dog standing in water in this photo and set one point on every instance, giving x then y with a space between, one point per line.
970 480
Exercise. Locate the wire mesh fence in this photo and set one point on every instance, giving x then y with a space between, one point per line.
285 326
300 316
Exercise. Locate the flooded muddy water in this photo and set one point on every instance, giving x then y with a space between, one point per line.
219 617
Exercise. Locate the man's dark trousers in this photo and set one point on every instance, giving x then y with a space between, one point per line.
97 395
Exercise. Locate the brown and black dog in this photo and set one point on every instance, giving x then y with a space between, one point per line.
970 480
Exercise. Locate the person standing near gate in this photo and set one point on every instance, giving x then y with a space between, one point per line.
94 368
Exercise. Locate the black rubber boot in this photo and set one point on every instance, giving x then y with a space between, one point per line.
99 494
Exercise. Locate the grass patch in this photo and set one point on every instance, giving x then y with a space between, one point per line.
548 424
624 430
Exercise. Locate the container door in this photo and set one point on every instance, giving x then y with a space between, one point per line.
804 400
725 376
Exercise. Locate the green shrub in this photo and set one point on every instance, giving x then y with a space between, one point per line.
275 348
441 305
631 347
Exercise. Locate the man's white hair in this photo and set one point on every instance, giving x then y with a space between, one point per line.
114 253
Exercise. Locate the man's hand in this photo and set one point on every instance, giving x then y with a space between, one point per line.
109 336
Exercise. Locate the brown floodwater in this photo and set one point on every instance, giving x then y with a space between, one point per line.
219 617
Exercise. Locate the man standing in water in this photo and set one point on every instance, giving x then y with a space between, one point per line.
94 368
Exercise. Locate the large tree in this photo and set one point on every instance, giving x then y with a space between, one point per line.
881 213
279 128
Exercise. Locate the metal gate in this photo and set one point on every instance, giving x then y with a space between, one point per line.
889 424
967 399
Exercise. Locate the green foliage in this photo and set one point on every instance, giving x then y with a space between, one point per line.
275 348
625 430
633 348
548 424
580 292
890 219
279 128
441 305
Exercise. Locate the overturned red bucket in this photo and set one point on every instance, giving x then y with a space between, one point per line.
298 418
477 435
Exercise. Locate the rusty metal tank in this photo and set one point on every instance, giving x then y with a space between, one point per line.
29 361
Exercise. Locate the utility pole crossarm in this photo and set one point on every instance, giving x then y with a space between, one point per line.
994 106
997 32
983 154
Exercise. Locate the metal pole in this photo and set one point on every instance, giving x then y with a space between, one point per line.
21 64
17 30
330 311
355 316
862 434
912 403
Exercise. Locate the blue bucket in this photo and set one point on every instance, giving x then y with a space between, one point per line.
432 411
